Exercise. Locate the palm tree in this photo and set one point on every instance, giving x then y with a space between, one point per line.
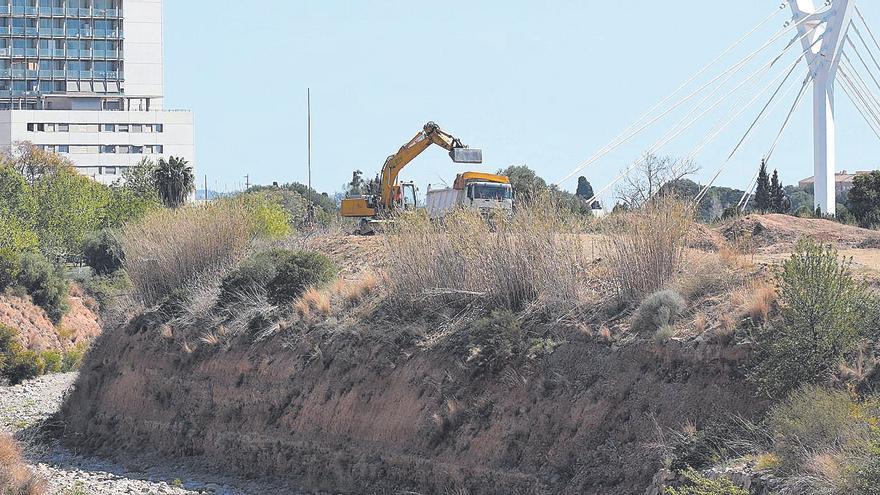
174 180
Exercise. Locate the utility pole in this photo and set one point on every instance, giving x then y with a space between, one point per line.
206 187
309 161
824 57
247 182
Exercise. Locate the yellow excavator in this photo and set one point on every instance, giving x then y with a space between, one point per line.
375 208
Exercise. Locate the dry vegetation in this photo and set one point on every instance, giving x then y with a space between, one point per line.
171 249
536 254
15 477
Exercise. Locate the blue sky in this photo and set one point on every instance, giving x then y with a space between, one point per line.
544 84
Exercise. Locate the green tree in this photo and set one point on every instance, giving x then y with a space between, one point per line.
824 313
526 183
15 197
70 207
777 194
140 180
864 199
697 484
174 180
762 191
584 189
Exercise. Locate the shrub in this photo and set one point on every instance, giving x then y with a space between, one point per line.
15 477
46 285
73 357
53 361
697 484
493 341
254 273
823 316
106 288
170 249
297 273
103 252
814 420
313 301
863 476
649 250
23 365
657 311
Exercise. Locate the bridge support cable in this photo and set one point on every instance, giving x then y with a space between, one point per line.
861 100
872 122
741 107
689 120
858 84
867 49
846 59
867 26
668 138
744 201
754 124
636 129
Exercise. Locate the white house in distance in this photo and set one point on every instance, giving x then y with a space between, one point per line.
84 78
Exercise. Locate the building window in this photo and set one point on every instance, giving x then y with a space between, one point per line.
122 128
108 149
50 127
63 128
63 148
137 128
159 128
110 171
109 128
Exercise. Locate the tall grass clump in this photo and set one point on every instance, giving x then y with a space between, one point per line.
174 249
502 263
15 477
649 249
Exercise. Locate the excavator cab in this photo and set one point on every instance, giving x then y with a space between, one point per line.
405 196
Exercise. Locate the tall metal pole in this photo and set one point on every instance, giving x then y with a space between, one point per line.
824 58
206 187
309 116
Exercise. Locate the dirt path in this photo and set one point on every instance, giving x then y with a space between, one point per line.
25 406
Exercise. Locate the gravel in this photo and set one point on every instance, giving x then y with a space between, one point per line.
26 405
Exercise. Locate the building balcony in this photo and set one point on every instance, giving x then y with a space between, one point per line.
24 11
50 53
44 31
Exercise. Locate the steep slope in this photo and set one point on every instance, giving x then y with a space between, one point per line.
366 409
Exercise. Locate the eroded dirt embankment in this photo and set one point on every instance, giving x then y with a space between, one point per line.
353 411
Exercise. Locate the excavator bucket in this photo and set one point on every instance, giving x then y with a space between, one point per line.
466 155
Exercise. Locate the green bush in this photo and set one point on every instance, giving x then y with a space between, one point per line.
824 313
657 311
103 252
813 420
254 273
16 363
106 288
697 484
46 285
73 358
297 273
53 361
494 340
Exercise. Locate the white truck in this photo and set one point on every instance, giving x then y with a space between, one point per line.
485 192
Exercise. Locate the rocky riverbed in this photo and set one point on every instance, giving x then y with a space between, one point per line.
24 407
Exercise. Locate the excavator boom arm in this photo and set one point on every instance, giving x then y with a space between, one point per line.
430 134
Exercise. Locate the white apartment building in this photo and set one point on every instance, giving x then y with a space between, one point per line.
84 78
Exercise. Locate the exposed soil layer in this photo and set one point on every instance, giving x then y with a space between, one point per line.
778 233
359 410
38 333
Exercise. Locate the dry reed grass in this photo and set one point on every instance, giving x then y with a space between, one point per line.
757 301
537 253
353 291
313 303
170 249
649 250
15 477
